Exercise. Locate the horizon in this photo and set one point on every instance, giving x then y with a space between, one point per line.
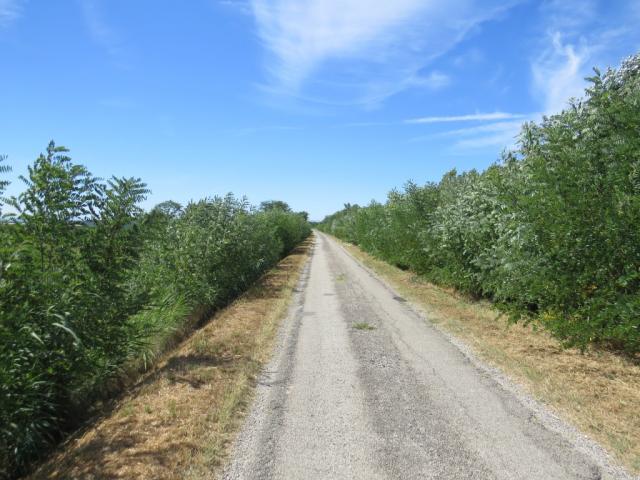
276 102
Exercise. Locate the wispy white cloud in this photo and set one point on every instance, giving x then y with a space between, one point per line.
501 134
433 81
472 131
9 11
575 39
372 51
493 134
558 73
102 33
473 56
568 15
506 139
302 35
499 121
241 6
474 117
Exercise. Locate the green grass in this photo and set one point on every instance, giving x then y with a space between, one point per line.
363 326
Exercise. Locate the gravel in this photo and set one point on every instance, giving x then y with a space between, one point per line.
396 400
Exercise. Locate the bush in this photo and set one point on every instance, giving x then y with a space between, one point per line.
89 282
550 233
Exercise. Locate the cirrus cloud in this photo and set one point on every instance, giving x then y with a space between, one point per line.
9 11
472 117
577 35
369 52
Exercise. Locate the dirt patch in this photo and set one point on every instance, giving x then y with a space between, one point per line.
179 420
597 391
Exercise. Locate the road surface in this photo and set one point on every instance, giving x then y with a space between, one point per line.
361 386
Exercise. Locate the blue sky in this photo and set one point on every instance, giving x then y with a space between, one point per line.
315 102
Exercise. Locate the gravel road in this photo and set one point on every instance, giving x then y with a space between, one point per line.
394 399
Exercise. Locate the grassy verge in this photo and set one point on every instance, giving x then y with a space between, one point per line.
597 391
179 419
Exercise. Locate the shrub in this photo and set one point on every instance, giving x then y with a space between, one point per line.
550 233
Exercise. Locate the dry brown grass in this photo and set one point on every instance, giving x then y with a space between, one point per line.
178 420
597 391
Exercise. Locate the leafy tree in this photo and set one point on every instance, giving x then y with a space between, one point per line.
91 284
3 183
275 205
169 209
550 233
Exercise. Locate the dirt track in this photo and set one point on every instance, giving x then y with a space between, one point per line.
361 387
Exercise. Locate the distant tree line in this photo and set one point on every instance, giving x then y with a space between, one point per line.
91 284
551 233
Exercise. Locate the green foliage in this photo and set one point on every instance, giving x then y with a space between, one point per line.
209 252
63 321
3 183
90 283
550 233
289 228
275 205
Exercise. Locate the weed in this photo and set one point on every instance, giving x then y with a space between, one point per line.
128 409
172 409
201 346
363 326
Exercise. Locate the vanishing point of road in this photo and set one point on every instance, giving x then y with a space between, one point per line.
361 386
